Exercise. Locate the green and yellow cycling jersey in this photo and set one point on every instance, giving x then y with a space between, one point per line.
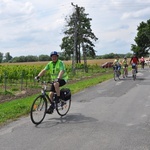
124 62
55 68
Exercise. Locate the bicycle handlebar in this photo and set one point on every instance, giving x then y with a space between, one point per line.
44 82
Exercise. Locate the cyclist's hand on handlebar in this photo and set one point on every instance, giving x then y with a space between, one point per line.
37 78
57 80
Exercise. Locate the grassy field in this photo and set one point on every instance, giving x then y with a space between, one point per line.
90 62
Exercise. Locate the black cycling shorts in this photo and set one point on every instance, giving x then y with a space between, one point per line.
126 65
133 66
62 82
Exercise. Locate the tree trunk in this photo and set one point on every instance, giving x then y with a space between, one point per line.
84 58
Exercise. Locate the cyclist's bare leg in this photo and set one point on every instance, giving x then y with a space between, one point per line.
126 71
51 107
57 89
51 96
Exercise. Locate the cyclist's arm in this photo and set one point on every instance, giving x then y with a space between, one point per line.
60 74
114 62
42 73
127 63
131 60
120 63
62 70
44 70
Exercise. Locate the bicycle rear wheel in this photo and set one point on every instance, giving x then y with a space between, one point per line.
134 76
63 107
38 110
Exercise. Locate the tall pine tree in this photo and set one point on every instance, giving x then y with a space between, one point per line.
79 36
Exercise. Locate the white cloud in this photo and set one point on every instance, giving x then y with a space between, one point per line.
35 27
138 14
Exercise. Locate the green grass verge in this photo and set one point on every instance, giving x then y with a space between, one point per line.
12 110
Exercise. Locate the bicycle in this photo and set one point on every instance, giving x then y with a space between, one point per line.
134 71
116 73
40 104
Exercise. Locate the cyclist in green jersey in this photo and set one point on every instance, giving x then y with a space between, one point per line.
58 74
125 67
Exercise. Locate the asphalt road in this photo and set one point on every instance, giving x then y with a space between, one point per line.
113 115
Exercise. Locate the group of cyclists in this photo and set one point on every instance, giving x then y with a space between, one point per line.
58 73
134 61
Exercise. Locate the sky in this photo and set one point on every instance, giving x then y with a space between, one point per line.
36 27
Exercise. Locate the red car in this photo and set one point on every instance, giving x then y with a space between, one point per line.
107 65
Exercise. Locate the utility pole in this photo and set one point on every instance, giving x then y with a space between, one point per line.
75 39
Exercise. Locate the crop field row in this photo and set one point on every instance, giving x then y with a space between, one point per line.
17 77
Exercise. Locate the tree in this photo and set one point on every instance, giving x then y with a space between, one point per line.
79 36
67 46
1 57
44 58
29 58
19 59
8 57
142 39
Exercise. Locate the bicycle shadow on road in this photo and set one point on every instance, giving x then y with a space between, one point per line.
68 119
131 78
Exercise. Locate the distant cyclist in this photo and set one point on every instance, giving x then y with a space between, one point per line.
117 64
134 62
125 67
142 61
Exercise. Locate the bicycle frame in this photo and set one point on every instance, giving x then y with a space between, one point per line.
43 92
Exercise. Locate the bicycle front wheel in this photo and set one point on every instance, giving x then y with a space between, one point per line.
63 107
116 75
134 74
38 110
